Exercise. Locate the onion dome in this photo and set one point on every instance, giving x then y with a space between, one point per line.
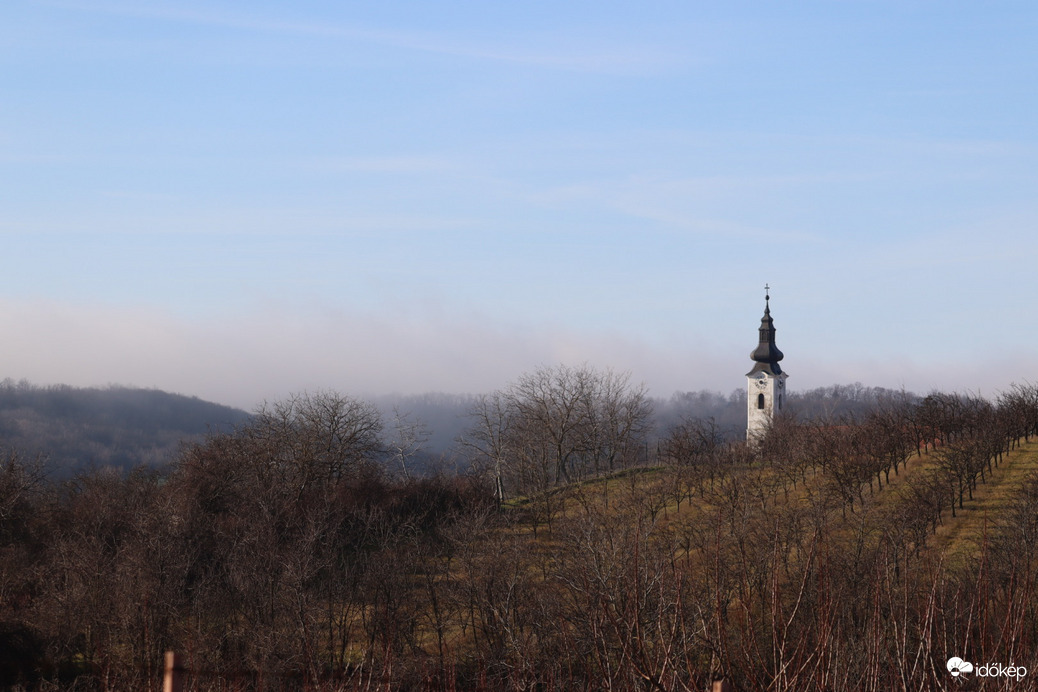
767 355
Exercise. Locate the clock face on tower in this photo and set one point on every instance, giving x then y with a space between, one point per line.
762 383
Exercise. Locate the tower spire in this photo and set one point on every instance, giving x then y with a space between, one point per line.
767 355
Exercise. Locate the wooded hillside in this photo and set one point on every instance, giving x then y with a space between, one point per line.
72 428
841 553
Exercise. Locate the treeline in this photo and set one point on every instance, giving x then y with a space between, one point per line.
728 412
581 550
122 427
72 428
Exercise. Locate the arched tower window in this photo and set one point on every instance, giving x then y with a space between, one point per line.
760 401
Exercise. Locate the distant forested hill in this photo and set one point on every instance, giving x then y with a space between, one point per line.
123 427
73 428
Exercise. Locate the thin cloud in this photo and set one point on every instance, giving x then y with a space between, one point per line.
582 59
281 222
699 205
405 165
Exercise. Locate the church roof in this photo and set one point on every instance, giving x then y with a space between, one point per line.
766 356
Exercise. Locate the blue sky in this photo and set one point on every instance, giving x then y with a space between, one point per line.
240 200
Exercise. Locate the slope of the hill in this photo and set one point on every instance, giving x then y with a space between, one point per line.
992 503
72 428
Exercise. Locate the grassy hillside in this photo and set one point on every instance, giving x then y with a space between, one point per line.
992 502
658 491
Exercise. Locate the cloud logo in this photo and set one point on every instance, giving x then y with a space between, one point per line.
956 666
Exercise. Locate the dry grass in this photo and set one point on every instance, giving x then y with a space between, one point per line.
964 535
959 536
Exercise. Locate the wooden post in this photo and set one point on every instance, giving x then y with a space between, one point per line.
173 681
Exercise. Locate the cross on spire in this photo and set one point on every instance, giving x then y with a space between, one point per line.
767 355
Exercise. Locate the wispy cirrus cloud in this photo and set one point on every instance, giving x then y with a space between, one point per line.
555 53
404 165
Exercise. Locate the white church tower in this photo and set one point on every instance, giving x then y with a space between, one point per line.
766 383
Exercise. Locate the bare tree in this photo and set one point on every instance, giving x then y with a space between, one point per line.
555 425
317 436
490 437
694 446
407 437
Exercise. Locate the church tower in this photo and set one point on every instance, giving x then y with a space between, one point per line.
765 383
